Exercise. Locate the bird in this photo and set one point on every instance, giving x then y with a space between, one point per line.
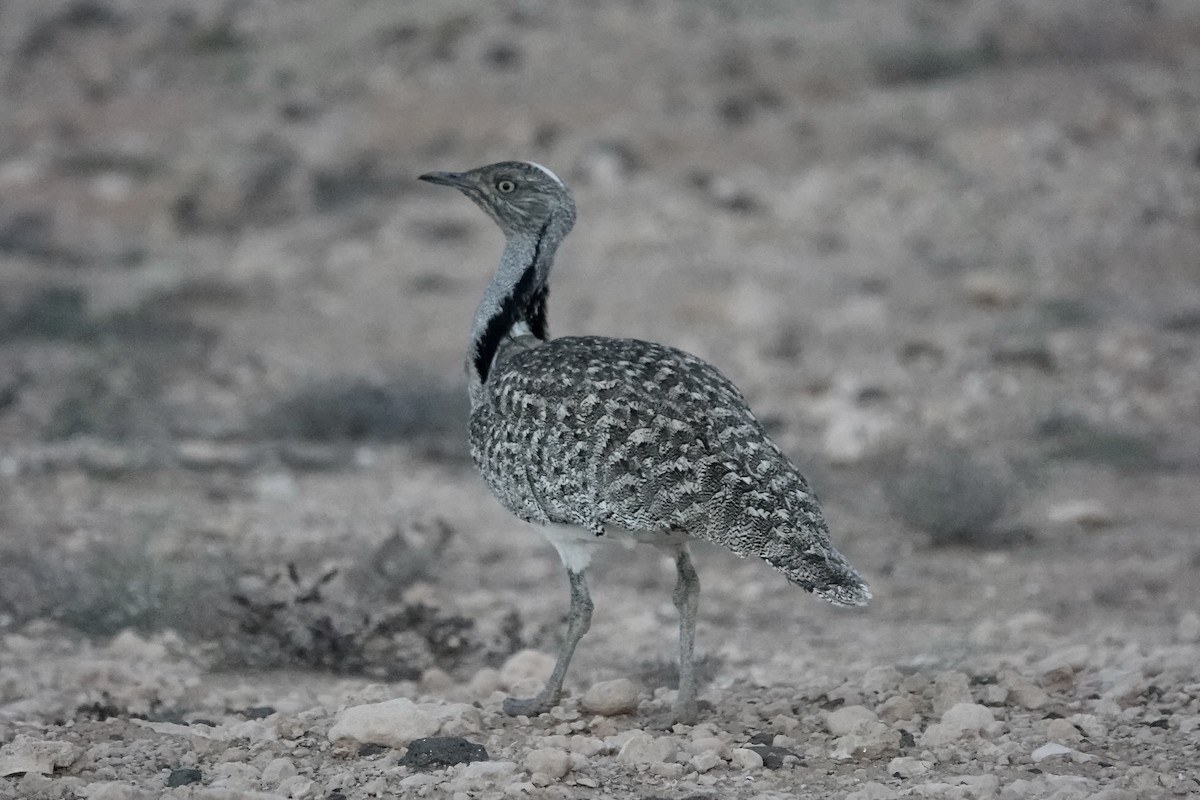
595 439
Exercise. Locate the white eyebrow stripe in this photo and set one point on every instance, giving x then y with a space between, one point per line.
557 179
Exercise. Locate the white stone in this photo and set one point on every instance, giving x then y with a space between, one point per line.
881 680
586 746
642 748
26 754
703 762
1022 691
1062 731
610 698
526 666
549 761
484 683
1087 514
962 721
1049 750
872 741
745 759
871 790
902 767
392 723
849 719
897 709
707 744
299 787
950 689
278 770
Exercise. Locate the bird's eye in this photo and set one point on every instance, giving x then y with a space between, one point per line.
505 186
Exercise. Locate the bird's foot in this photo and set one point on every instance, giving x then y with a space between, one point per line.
528 706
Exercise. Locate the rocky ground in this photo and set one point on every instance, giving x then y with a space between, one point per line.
949 250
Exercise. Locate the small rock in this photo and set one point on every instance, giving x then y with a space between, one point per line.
1090 724
771 755
707 744
436 681
299 787
1057 671
881 680
442 751
1128 692
470 779
586 746
526 666
642 748
484 683
990 289
394 723
897 709
907 767
1062 731
611 698
26 754
278 770
962 721
1049 750
745 759
667 769
703 762
872 790
1022 691
183 777
950 689
849 719
549 761
871 741
1087 514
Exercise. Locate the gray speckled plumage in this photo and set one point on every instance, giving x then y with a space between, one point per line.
620 435
598 432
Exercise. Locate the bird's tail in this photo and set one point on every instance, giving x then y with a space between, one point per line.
817 567
786 528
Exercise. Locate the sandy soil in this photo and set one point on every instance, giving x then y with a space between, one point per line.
949 250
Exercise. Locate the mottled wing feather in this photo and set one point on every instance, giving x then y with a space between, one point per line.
594 431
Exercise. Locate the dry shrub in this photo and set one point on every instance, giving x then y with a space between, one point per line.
952 493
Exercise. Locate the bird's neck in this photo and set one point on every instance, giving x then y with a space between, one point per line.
514 303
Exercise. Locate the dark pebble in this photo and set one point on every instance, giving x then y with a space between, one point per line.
442 751
183 776
772 756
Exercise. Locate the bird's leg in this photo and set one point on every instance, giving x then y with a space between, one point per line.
686 597
579 619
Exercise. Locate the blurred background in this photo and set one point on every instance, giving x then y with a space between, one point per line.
949 249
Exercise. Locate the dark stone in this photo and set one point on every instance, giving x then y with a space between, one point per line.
258 712
907 739
183 776
773 756
442 751
367 750
762 738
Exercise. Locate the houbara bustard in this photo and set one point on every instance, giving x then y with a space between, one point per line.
593 439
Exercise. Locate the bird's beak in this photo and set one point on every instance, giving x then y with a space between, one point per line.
456 180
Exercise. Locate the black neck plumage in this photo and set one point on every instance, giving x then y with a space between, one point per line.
525 303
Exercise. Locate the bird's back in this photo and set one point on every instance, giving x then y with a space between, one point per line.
598 432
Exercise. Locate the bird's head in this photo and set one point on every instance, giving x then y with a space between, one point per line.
521 196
